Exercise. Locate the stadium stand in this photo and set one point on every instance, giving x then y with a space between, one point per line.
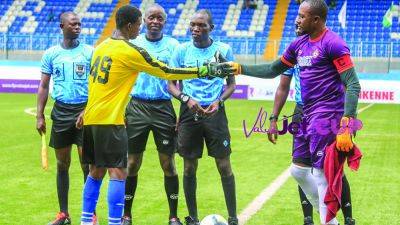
364 31
33 24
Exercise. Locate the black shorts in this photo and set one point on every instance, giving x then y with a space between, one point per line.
105 145
301 152
63 131
193 131
156 116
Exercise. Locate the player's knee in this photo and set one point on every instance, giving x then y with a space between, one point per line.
97 173
189 170
168 166
133 167
63 164
224 168
117 173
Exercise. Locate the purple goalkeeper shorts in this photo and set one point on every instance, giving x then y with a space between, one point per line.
321 132
301 150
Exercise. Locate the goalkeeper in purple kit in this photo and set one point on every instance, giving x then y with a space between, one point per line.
329 87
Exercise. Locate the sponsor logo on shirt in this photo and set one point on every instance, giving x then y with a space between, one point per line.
307 59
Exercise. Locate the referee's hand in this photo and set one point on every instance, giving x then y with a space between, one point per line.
212 109
195 107
273 132
79 121
41 125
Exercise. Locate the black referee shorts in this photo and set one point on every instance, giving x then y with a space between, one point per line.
63 131
156 116
193 131
105 146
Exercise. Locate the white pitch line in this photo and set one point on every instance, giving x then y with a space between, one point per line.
32 111
263 197
364 108
266 194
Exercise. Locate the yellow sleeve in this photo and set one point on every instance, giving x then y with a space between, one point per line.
141 60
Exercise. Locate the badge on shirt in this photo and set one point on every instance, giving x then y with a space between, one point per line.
58 73
80 71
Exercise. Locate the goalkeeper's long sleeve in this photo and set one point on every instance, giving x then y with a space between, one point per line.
353 88
266 71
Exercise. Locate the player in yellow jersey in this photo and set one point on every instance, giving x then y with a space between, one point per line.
114 68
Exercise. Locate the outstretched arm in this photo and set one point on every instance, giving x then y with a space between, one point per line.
265 71
142 61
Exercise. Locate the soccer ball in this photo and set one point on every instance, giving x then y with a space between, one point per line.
213 219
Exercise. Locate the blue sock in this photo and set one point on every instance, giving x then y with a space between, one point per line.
116 200
91 193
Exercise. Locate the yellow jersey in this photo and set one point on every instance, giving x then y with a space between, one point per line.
114 69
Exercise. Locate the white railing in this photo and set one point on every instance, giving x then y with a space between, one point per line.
240 46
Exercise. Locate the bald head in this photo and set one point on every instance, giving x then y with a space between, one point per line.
205 13
318 8
155 7
64 16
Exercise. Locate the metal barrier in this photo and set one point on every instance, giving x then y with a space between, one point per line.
240 46
36 42
249 50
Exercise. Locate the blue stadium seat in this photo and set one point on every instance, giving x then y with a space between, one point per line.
364 24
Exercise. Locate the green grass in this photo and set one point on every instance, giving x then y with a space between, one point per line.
28 194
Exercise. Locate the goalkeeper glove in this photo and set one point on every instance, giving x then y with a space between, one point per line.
237 67
344 140
215 69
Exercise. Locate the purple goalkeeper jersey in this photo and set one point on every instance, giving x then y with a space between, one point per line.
319 61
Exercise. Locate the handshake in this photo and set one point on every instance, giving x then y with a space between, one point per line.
220 68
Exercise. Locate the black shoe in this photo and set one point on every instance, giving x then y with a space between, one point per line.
349 221
190 221
308 220
61 219
126 220
233 221
174 221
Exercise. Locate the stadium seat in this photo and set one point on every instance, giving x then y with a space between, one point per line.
363 22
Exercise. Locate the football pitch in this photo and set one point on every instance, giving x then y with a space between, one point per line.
28 194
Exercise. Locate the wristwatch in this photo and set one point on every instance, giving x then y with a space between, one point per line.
273 118
184 98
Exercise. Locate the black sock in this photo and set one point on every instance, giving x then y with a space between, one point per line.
62 189
305 204
171 185
228 184
130 189
189 186
346 199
